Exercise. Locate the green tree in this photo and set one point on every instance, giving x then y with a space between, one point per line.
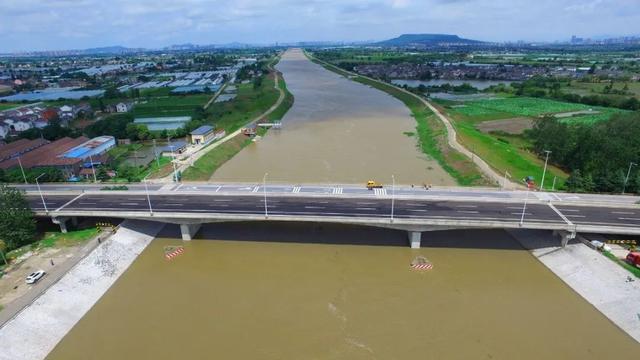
102 174
575 182
17 225
3 250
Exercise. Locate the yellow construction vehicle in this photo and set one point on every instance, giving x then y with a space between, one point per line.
373 185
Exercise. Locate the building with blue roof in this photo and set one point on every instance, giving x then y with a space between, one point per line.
202 135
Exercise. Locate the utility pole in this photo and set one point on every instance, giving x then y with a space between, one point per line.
504 183
524 208
40 191
544 172
553 187
155 153
173 160
95 179
146 188
624 187
22 169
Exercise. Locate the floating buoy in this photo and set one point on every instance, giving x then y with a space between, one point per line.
421 263
171 252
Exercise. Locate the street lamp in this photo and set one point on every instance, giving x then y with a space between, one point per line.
40 191
22 169
544 172
95 179
393 194
624 187
264 190
146 188
524 208
173 160
504 183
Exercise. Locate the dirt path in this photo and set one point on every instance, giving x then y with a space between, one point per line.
16 294
452 135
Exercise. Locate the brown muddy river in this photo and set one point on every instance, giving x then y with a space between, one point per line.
270 297
337 131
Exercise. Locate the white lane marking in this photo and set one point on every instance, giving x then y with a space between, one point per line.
380 192
575 216
467 212
337 191
135 199
364 208
296 189
87 203
514 207
255 189
172 204
221 200
129 203
314 207
414 204
519 213
418 210
218 189
467 206
322 202
569 210
366 203
623 213
630 219
221 205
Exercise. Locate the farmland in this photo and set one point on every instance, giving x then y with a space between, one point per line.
511 107
182 105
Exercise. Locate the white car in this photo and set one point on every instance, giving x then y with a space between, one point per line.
35 276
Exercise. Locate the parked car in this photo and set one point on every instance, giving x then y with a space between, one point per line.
633 258
35 276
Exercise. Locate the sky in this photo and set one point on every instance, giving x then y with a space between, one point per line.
27 25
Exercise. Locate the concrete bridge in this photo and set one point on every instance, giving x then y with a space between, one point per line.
409 209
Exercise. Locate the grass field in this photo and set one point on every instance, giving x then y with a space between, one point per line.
179 105
510 107
7 106
246 106
204 167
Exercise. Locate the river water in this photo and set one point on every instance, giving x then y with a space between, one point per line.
287 291
337 131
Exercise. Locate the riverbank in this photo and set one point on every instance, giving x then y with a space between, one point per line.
431 133
48 319
210 159
601 282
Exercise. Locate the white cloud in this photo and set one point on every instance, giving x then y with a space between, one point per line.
63 24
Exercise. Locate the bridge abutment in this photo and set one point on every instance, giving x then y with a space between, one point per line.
415 238
62 222
189 230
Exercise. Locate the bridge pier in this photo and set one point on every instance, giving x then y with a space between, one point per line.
565 236
189 230
62 221
414 239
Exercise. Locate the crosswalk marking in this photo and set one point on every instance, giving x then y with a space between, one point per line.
337 191
255 189
380 192
296 189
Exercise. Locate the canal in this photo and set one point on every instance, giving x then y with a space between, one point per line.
337 131
290 291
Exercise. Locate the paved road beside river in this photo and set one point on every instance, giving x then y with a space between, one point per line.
35 331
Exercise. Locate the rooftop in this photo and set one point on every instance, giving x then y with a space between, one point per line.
202 130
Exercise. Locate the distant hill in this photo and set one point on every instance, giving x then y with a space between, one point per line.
419 40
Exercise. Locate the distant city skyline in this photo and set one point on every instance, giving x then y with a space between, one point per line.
37 25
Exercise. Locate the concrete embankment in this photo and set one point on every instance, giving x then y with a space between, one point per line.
36 330
605 285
